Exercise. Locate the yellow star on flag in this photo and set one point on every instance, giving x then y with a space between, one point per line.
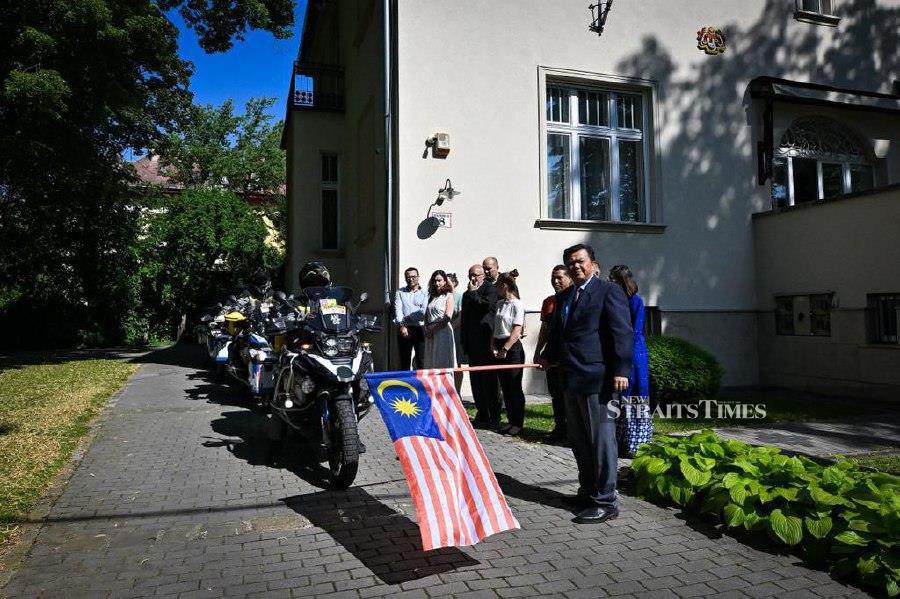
406 407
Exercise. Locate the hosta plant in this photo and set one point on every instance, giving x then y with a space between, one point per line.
836 514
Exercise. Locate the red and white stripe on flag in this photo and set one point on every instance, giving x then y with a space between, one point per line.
458 501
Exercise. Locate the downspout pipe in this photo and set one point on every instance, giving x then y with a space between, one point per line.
389 175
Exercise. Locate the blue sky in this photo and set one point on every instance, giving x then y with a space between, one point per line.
258 66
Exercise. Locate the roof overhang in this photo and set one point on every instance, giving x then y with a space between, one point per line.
798 92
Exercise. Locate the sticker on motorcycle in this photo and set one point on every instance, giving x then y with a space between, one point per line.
330 306
336 319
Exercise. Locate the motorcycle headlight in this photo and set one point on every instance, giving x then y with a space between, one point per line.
330 347
347 345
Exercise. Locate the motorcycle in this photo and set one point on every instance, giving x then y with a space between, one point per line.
251 358
320 391
213 334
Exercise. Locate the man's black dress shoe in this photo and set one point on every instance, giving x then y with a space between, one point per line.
596 515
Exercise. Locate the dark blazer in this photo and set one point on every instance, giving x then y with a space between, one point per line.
476 316
596 341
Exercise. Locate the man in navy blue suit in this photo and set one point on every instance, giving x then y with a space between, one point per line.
592 338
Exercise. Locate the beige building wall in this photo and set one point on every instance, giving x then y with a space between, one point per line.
849 248
477 71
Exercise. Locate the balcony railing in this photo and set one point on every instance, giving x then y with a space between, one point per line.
317 87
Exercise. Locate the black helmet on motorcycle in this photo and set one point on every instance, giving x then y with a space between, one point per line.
314 274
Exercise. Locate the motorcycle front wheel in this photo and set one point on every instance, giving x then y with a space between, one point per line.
343 455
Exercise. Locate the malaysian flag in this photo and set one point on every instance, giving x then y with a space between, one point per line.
457 498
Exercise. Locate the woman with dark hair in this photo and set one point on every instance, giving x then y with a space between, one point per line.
635 424
509 319
440 348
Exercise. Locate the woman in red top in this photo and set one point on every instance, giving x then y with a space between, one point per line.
559 279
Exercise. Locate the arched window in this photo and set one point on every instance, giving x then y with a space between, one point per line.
819 158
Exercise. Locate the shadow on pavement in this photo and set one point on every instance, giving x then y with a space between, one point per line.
253 437
386 542
532 493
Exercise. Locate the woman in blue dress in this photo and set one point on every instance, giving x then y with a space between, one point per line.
635 425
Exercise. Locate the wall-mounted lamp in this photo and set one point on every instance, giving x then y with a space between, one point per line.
599 13
446 193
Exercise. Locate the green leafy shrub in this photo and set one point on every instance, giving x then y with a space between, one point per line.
838 514
681 371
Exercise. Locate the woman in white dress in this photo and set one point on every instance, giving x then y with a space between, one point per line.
440 347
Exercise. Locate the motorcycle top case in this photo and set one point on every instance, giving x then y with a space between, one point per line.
234 320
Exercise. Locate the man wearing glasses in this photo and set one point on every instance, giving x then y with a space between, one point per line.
476 320
409 316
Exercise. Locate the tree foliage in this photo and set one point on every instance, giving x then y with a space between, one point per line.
216 148
80 82
217 23
197 246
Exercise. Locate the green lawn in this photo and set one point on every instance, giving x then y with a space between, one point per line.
44 410
780 406
886 461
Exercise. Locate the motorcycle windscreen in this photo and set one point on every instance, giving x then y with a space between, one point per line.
329 308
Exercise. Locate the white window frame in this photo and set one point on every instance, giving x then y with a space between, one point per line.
612 85
817 16
330 186
820 195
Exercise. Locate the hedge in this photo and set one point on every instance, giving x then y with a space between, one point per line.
681 371
837 514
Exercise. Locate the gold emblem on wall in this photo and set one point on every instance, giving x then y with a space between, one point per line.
711 40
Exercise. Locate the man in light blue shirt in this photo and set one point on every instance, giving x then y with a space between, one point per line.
410 304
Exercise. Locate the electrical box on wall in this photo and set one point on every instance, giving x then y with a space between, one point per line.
441 146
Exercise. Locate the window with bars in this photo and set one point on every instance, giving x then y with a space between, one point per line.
330 202
596 154
883 316
803 314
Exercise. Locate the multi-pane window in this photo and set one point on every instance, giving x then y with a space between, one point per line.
596 154
330 207
803 314
822 7
818 159
883 317
817 12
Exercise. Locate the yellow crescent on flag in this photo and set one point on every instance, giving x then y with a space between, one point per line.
406 407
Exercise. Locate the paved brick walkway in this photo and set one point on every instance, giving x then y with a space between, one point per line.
178 497
825 439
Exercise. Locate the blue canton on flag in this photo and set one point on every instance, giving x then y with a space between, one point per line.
405 405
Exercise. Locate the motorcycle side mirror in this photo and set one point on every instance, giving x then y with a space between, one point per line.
363 298
280 295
